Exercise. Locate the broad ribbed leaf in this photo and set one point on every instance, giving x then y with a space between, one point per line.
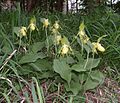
85 65
37 46
78 67
75 85
90 84
41 65
91 63
31 57
95 79
97 75
79 56
63 69
70 60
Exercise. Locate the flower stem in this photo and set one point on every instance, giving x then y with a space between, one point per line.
47 41
30 37
55 46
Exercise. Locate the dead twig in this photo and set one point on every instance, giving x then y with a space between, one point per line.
7 59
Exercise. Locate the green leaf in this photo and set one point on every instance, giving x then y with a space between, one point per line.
96 78
85 65
35 67
46 75
63 69
37 46
16 30
70 60
91 63
78 56
90 84
83 77
31 57
75 85
41 65
97 75
51 40
86 47
78 67
39 91
7 48
26 69
34 96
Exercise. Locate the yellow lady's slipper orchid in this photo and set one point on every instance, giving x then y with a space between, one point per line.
32 26
82 32
55 28
65 49
54 31
58 39
100 47
23 31
83 37
56 25
45 23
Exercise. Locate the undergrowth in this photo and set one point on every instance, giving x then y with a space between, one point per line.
55 57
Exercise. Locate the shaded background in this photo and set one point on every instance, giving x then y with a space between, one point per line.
65 6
